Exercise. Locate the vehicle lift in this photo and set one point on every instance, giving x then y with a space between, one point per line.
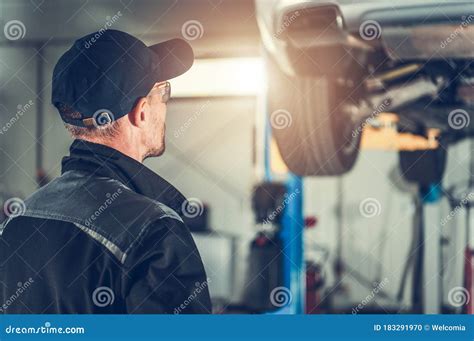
292 230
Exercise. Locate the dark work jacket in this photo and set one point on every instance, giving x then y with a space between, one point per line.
104 237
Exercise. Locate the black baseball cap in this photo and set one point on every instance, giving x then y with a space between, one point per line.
100 78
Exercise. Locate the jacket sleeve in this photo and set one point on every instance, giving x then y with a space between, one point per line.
166 274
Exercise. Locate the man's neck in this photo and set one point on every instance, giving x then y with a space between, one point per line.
121 146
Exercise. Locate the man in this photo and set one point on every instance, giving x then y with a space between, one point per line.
107 236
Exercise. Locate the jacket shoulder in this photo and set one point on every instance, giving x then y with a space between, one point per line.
105 209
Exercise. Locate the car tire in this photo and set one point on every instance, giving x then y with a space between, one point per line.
313 135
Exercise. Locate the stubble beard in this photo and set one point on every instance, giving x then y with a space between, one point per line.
158 150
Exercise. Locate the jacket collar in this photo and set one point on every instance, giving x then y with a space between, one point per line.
105 161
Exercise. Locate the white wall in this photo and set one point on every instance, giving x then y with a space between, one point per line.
17 88
211 160
377 247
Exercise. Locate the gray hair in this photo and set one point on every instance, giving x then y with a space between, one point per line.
103 132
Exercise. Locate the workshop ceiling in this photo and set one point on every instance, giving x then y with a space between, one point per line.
227 25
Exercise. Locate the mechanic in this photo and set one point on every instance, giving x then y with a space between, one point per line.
107 236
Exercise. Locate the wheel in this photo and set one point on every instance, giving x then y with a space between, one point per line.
313 135
424 167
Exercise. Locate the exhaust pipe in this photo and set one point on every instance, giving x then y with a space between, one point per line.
395 98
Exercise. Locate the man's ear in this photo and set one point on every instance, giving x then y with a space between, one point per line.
137 115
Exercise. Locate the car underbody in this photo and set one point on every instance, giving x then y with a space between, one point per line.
414 59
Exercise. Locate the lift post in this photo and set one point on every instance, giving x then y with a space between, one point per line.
292 241
291 234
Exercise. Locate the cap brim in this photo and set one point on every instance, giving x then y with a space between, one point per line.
175 57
